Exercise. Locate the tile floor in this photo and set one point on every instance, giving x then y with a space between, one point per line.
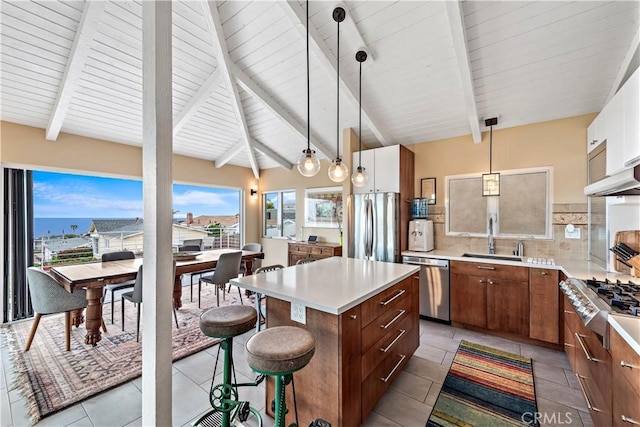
407 403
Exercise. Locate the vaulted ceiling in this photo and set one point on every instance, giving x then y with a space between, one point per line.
435 70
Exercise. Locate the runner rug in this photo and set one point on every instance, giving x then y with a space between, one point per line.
51 379
486 387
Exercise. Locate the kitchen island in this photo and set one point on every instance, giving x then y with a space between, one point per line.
364 316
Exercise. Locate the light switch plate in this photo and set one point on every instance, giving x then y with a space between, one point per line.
298 313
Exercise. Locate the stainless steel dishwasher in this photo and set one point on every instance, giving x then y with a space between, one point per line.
434 287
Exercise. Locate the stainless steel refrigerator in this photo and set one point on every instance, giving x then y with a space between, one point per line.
374 226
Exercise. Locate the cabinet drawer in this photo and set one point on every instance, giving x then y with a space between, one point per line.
387 321
600 413
625 360
374 386
322 251
626 406
378 304
495 271
570 346
299 248
594 362
571 317
389 342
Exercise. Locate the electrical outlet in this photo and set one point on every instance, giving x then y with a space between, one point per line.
298 313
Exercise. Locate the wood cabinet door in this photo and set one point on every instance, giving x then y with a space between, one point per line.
544 304
469 299
508 306
294 257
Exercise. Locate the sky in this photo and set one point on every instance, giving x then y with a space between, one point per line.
59 195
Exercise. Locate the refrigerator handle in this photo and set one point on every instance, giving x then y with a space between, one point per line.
368 247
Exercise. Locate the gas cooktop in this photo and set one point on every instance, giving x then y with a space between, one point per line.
623 298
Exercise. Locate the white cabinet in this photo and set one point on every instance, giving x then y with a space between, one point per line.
615 134
383 166
631 107
596 131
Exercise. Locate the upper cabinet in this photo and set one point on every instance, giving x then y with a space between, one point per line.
619 124
596 131
615 134
383 166
631 107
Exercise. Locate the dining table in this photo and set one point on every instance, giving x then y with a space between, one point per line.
95 275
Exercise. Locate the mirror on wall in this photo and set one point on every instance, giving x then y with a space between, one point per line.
428 190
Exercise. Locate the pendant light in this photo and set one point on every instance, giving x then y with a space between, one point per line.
491 181
308 163
338 171
360 176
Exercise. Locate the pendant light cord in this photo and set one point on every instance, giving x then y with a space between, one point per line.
308 87
491 149
360 118
338 96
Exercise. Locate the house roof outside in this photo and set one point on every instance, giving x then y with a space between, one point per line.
204 220
57 245
126 227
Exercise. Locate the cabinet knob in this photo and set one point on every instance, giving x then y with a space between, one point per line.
481 281
544 273
491 282
354 316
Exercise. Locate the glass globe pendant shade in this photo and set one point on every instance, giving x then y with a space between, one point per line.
360 177
338 172
308 163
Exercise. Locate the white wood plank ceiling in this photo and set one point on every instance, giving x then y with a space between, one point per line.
435 70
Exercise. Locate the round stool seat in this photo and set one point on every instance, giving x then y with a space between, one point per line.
229 321
280 350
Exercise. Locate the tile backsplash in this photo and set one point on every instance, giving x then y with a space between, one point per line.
558 247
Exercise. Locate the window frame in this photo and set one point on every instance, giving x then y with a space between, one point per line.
280 212
493 208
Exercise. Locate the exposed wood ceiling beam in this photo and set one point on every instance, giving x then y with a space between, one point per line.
252 88
224 62
78 54
229 154
624 67
297 16
456 24
198 100
353 29
275 156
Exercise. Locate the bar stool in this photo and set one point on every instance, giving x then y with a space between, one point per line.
279 352
226 323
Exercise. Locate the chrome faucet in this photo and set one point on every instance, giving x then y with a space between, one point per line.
492 248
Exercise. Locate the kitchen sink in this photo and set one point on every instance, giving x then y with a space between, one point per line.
493 256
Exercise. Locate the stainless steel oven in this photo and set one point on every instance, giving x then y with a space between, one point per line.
434 287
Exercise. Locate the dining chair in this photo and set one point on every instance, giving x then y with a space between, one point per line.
193 242
193 248
135 296
257 263
305 261
48 297
116 256
227 268
259 296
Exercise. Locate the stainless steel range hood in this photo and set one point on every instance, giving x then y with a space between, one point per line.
625 183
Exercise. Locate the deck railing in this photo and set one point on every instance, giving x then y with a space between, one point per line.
59 251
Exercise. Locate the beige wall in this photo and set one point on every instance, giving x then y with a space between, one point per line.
27 146
558 143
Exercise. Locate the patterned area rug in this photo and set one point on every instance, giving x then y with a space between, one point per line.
51 379
486 387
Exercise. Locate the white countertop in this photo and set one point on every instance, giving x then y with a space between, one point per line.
332 285
627 326
629 329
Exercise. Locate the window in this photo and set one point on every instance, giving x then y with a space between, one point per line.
279 210
523 209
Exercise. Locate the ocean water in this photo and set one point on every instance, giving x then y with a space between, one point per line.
57 226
